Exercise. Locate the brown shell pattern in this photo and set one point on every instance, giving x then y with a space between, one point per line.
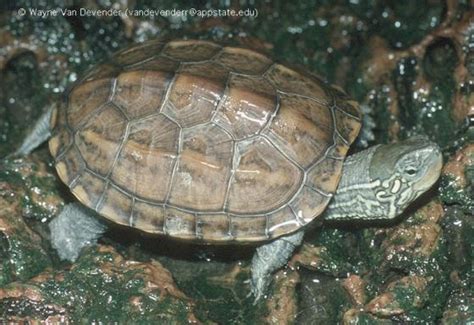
203 142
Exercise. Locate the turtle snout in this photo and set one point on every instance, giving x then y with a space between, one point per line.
433 164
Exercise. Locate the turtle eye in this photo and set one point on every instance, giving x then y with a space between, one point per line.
410 171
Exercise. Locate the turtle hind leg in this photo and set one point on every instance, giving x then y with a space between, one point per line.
75 228
269 258
40 133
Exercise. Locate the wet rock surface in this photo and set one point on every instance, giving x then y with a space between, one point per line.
103 286
410 66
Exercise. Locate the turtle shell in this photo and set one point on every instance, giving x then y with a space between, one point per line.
203 142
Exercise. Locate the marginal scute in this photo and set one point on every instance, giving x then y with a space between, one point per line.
189 51
207 70
308 204
248 106
148 217
337 92
85 99
53 120
243 61
55 143
325 175
201 179
351 107
58 116
61 138
192 99
102 71
59 142
70 166
213 227
147 158
282 222
88 189
264 179
339 150
159 63
291 81
249 228
116 205
180 224
138 53
303 128
347 126
100 138
140 93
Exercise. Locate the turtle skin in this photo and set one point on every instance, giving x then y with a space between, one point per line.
203 142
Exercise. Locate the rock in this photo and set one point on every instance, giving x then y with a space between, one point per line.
282 304
460 308
400 296
22 255
101 287
355 316
457 183
322 299
355 286
459 229
416 240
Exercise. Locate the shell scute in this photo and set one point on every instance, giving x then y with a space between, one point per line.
264 179
247 107
140 93
203 171
99 139
192 100
147 158
303 127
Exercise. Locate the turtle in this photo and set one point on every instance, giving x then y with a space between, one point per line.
217 144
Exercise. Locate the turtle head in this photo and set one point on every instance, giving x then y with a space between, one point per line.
381 182
404 171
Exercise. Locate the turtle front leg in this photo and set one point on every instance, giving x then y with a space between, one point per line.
75 228
269 258
40 133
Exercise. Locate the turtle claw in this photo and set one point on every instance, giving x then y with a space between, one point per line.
250 294
258 288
